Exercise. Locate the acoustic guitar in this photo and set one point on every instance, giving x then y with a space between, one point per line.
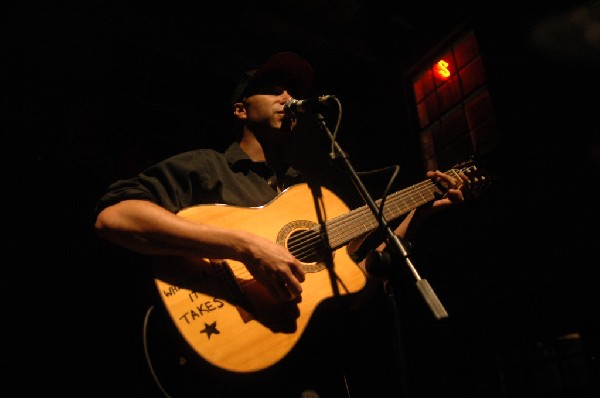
230 319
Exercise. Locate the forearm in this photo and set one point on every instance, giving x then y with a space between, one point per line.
147 228
413 220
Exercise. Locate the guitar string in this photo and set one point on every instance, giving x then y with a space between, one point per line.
334 230
300 245
307 241
346 219
393 207
339 225
333 226
412 192
415 193
394 200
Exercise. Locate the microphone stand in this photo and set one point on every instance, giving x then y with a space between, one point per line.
397 248
394 241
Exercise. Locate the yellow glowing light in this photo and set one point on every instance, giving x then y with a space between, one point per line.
441 69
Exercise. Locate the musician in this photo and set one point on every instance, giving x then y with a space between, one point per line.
141 213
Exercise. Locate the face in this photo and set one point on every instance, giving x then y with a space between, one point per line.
262 109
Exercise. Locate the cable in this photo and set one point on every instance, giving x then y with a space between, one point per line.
147 354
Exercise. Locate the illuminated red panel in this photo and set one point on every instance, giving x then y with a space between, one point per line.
423 86
449 94
472 76
428 110
430 142
454 125
466 50
478 109
427 144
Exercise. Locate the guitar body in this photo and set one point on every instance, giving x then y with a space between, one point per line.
227 317
231 320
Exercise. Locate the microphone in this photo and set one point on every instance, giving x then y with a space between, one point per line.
295 107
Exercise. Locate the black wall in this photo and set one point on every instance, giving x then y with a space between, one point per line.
95 94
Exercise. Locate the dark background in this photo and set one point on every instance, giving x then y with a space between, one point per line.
98 91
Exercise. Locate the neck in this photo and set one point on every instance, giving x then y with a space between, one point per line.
262 148
250 144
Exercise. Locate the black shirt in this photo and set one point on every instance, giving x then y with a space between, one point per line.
203 176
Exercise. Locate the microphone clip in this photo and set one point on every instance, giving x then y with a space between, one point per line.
296 107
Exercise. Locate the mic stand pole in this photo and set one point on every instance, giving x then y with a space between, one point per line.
397 247
393 241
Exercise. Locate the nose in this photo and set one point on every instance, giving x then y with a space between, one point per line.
285 96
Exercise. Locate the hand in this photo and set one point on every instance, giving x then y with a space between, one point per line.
456 186
274 267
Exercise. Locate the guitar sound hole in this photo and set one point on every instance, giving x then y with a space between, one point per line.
304 243
308 243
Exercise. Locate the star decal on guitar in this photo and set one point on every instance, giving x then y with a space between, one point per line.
210 329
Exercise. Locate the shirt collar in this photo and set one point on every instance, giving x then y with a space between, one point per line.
235 154
240 161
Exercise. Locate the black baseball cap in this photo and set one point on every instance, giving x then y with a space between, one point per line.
285 68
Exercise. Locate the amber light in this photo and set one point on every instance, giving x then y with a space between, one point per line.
440 69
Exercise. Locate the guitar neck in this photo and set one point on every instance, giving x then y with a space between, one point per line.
343 229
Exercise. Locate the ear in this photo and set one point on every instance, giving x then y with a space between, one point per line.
239 111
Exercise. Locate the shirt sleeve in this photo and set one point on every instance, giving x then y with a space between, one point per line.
166 183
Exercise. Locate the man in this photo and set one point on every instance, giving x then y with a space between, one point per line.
143 213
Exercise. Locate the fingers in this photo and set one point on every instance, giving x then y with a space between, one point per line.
455 186
274 267
451 182
279 290
284 279
290 284
284 286
298 271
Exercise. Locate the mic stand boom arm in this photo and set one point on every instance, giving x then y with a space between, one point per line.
397 245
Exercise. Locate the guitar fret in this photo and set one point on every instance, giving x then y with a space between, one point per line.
397 204
344 228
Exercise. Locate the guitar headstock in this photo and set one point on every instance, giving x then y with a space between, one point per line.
479 180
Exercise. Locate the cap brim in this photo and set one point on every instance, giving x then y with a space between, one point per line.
290 67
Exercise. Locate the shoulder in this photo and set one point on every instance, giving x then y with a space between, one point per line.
200 153
193 159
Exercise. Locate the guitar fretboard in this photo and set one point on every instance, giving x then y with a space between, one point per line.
344 228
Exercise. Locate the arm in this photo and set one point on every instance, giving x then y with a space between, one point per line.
147 228
455 194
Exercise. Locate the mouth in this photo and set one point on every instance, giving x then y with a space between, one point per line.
282 115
